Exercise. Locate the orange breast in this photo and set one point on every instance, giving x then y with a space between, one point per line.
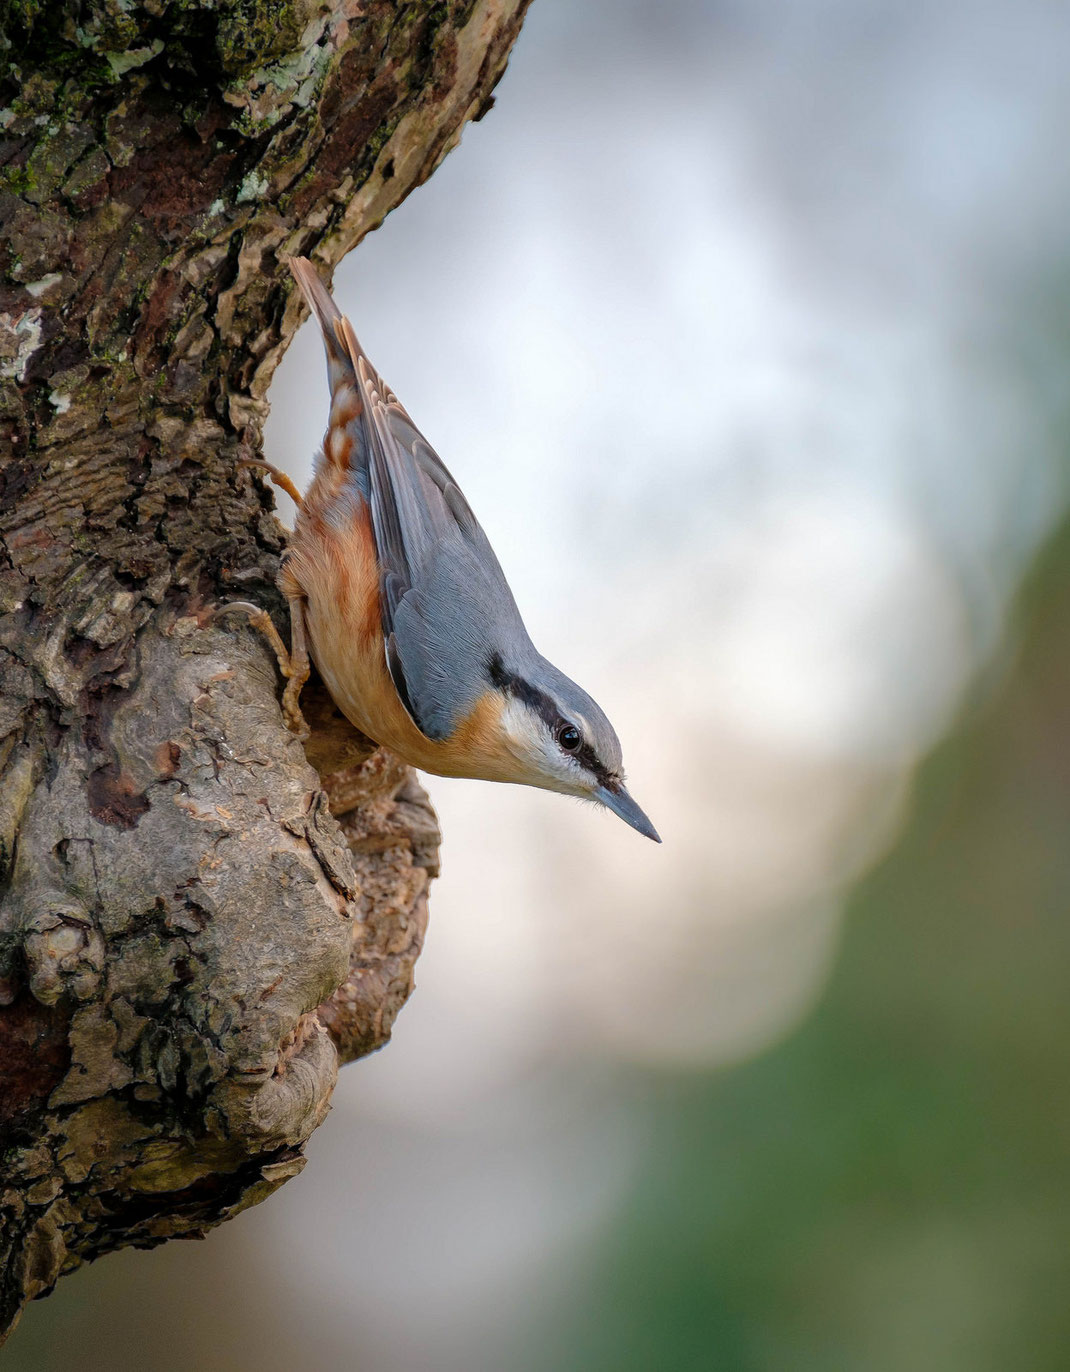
333 564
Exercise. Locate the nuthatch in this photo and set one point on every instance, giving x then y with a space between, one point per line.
396 591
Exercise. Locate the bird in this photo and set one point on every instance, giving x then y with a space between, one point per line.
396 594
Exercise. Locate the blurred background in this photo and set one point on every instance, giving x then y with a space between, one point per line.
744 325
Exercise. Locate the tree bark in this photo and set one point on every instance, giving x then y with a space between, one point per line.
199 918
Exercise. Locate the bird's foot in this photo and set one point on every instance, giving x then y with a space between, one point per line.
279 478
294 667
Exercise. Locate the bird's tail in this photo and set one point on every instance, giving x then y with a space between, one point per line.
317 296
331 320
348 371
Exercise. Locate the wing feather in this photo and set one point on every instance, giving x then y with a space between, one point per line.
446 607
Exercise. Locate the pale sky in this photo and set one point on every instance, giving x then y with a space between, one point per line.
724 319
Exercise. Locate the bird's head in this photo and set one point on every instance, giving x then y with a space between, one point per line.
558 738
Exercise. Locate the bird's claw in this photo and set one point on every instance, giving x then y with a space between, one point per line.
291 710
295 671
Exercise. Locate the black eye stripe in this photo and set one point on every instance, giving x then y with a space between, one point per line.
510 684
587 759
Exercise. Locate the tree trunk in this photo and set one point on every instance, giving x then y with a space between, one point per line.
199 918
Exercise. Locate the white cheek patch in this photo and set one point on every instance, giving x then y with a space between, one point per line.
531 741
524 731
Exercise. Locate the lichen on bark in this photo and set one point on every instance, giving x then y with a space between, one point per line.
199 918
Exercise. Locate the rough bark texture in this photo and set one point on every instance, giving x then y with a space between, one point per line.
199 918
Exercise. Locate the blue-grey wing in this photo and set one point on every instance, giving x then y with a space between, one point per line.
446 608
445 604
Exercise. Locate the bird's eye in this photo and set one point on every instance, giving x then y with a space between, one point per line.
568 737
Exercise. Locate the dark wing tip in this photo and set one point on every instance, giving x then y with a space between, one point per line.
401 685
397 676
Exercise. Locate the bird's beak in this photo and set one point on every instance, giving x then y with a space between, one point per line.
620 802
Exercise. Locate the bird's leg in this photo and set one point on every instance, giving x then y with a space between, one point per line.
280 478
293 663
299 668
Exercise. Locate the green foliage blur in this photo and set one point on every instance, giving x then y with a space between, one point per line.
889 1189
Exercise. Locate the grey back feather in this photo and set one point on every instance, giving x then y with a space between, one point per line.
445 604
447 610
